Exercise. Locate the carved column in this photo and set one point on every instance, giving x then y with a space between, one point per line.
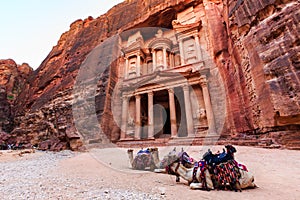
165 58
198 50
172 113
138 65
188 111
208 106
153 60
126 68
181 52
150 116
171 57
137 133
124 117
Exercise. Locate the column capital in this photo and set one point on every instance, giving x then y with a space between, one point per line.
150 94
137 96
203 81
185 87
125 97
171 90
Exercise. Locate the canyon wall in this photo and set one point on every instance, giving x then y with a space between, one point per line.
264 51
253 44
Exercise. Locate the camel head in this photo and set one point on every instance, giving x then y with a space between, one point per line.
153 149
168 159
230 150
130 151
130 155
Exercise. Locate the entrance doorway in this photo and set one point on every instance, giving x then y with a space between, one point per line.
161 112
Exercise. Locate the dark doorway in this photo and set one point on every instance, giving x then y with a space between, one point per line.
144 116
167 125
162 124
180 112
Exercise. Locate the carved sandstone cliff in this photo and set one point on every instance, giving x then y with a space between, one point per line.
254 44
264 50
44 110
13 79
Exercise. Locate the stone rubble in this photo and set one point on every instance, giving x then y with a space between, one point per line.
38 178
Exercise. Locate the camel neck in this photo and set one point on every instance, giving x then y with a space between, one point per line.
185 173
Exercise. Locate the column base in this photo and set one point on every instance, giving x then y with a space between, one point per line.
191 136
125 139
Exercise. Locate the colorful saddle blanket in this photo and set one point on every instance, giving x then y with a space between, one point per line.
142 160
227 173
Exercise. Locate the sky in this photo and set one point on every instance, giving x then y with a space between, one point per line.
30 28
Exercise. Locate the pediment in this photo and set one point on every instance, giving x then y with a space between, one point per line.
156 78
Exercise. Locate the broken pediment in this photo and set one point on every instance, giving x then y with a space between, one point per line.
187 16
135 38
186 20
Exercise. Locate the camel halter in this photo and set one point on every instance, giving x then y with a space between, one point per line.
169 169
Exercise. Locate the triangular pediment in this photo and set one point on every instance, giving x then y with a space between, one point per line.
156 78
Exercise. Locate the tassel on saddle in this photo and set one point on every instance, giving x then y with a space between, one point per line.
202 166
227 176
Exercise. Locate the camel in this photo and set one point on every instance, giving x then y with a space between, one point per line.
151 159
145 159
173 156
203 179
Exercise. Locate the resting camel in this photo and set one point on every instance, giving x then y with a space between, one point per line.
151 159
234 175
173 156
145 159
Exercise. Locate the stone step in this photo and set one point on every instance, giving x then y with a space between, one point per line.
142 143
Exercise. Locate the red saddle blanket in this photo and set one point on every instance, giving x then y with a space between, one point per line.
227 173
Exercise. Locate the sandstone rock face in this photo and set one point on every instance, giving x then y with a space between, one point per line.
47 103
253 45
13 79
264 49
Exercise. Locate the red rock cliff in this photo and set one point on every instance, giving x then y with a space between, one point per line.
254 45
13 79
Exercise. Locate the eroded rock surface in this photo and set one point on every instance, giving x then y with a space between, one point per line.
254 45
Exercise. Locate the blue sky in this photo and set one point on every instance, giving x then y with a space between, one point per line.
30 28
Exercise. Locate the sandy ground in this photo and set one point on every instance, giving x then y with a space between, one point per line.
106 174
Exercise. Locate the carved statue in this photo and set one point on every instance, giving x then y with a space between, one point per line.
131 122
159 34
201 113
159 58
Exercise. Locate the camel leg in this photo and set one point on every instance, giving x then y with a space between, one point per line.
195 186
160 170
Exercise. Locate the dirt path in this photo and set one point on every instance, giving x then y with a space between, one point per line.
105 174
277 173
